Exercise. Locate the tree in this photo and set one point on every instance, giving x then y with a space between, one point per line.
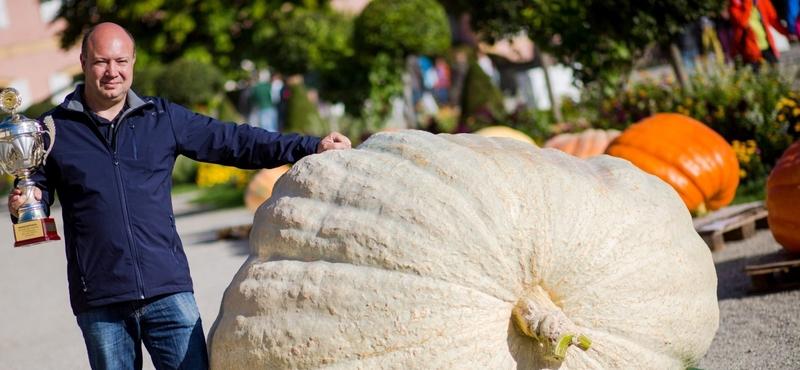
310 40
388 31
220 32
600 39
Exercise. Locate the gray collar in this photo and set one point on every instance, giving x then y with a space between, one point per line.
75 101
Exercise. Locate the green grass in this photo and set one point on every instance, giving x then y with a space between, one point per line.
184 188
751 191
221 196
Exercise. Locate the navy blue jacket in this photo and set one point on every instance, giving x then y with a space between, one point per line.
119 226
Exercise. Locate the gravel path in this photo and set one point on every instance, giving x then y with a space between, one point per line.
756 331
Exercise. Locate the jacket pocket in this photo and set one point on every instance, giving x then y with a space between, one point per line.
175 247
79 263
133 138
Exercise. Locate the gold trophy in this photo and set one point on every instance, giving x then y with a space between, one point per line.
22 151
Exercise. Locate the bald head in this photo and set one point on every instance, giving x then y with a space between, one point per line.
107 58
104 30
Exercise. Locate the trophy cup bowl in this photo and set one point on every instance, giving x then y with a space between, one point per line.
22 152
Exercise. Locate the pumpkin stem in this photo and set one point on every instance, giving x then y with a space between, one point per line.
536 316
701 210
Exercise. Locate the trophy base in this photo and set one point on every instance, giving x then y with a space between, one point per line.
35 232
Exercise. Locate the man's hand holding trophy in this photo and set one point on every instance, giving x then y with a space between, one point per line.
22 152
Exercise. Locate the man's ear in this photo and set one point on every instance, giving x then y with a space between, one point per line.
83 60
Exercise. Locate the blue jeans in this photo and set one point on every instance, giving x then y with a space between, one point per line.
169 326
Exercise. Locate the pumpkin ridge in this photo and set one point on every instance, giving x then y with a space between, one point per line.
467 211
589 230
689 161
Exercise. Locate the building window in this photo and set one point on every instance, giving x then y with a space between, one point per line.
4 21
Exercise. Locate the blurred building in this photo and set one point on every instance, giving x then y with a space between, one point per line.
31 60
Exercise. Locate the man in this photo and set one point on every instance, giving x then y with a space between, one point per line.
128 275
264 103
751 20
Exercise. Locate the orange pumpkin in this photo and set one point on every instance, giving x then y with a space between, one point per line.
699 164
583 144
783 199
260 187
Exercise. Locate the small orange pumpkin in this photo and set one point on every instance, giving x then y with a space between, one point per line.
260 187
583 144
699 164
783 199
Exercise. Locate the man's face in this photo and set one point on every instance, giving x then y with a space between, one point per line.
108 65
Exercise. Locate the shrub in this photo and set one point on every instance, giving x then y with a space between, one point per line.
481 101
189 83
146 79
37 109
184 171
209 175
788 115
402 27
310 40
737 103
302 116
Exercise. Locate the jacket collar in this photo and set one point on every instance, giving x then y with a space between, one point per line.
74 101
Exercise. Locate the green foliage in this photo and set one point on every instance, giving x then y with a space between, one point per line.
226 111
348 84
220 32
600 39
750 191
184 171
36 110
310 40
385 83
788 115
189 83
221 196
402 27
533 123
302 115
146 78
481 101
738 104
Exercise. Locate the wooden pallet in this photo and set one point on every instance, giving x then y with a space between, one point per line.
774 272
731 223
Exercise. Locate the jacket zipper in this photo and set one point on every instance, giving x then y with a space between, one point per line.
133 136
127 218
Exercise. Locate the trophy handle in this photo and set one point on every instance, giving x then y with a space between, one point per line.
51 132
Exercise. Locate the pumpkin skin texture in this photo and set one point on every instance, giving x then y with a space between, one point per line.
504 131
261 185
422 251
783 199
584 144
699 164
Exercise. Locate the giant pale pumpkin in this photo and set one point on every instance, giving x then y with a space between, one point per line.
422 251
260 186
783 199
699 164
583 144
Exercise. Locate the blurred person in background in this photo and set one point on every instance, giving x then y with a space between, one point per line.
753 41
